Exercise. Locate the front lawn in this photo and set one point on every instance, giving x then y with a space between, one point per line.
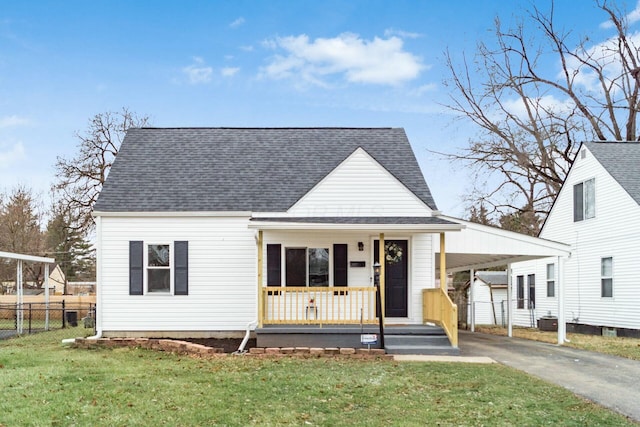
44 383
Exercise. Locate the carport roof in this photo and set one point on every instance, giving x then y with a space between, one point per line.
480 246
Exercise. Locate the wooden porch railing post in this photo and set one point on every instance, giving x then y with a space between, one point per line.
443 264
260 292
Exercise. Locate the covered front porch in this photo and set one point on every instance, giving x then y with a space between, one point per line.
319 274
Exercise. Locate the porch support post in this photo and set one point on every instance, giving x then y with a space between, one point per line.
383 262
443 265
260 293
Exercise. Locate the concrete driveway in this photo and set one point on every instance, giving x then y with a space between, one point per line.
611 381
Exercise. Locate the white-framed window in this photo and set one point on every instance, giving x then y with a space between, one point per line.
551 280
584 200
606 277
158 268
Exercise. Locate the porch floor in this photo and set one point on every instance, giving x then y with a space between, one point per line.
399 339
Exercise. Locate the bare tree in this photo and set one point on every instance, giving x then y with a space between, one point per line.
20 231
535 93
80 179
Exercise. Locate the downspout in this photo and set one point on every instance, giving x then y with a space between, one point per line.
98 319
250 326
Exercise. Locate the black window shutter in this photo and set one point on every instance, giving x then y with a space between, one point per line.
181 267
135 267
340 264
274 265
578 203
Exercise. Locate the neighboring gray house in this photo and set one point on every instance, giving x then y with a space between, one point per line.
205 232
597 212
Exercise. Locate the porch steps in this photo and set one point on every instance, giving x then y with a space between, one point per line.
418 339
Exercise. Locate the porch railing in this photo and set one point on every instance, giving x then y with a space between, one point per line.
438 308
318 305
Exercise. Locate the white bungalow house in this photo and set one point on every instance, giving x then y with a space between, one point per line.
597 212
207 232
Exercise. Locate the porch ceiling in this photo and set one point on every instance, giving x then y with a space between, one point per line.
480 246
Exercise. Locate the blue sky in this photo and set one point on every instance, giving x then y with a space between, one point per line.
242 63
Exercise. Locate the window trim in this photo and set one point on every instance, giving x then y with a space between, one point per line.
520 292
531 285
581 215
171 268
551 281
603 277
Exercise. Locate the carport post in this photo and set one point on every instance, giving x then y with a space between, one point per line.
46 297
562 326
509 306
472 301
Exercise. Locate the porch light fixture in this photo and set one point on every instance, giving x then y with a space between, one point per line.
360 246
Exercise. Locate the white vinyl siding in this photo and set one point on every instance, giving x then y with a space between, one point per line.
221 257
356 188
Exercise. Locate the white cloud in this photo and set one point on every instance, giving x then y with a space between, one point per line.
238 22
10 155
247 48
12 121
632 17
400 33
377 61
229 71
198 72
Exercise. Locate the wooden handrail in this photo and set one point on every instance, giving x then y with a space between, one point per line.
438 308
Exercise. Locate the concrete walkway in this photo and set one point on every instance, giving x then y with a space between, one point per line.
610 381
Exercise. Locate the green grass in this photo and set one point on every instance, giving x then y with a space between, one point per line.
43 383
615 346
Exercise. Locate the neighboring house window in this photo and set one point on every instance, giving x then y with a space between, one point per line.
584 200
551 280
153 270
531 278
520 283
606 280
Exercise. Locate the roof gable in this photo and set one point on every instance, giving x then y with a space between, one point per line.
243 169
622 162
359 186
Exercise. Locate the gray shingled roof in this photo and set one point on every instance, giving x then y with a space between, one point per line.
243 169
622 161
495 278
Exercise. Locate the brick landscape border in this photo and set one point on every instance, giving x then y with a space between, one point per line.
189 348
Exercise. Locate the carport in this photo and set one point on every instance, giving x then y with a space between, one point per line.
20 259
479 246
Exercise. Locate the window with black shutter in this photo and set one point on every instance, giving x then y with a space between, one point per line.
340 265
274 265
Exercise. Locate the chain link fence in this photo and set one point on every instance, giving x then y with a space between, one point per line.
32 317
